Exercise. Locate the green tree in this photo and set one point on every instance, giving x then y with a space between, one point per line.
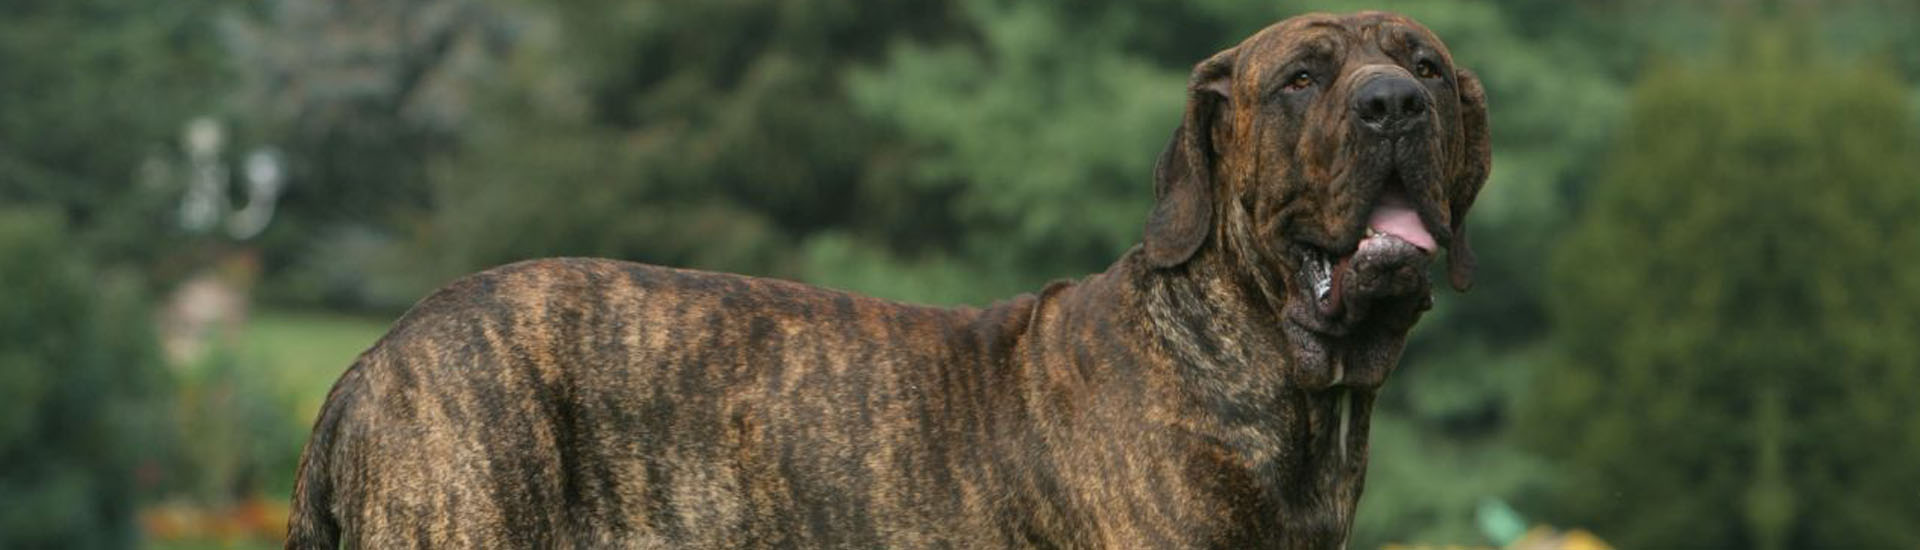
79 373
91 91
685 133
360 97
1737 308
1037 137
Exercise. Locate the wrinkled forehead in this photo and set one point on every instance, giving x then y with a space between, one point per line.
1362 36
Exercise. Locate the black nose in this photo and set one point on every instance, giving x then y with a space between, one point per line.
1390 106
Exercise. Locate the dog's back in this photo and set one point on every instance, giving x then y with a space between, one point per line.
593 403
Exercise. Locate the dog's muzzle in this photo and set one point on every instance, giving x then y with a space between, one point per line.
1391 259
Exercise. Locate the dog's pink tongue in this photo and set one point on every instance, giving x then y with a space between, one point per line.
1394 216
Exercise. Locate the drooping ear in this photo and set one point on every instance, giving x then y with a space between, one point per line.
1182 214
1475 162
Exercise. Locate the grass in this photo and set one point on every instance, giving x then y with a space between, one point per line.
302 353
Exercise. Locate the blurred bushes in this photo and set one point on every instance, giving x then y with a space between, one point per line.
234 437
1737 308
93 91
80 382
712 135
1037 137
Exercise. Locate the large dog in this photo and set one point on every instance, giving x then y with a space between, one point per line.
1211 389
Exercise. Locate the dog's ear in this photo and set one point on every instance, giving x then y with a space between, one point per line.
1183 190
1475 162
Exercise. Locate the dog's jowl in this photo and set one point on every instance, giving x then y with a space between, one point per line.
1210 389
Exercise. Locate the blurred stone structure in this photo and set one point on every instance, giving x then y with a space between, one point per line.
212 304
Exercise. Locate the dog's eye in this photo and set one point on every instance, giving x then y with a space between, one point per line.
1425 69
1300 81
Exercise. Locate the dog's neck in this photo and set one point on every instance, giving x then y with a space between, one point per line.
1203 340
1220 327
1200 321
1221 330
1204 322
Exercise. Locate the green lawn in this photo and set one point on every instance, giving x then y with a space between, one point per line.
302 353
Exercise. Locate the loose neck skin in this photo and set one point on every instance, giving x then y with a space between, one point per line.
1195 351
1209 329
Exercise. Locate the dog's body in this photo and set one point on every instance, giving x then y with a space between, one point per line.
1209 390
602 404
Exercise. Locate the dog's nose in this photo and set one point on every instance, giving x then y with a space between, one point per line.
1390 106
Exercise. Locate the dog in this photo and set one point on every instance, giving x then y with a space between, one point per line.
1210 389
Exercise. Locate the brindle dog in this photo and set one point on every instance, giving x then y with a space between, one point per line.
1211 389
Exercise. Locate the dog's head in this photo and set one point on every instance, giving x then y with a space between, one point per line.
1329 158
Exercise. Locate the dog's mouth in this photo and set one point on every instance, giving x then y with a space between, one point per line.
1348 314
1390 261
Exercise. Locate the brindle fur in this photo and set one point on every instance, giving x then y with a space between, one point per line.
1168 402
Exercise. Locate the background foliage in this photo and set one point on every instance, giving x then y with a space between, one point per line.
1692 325
78 375
1692 316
